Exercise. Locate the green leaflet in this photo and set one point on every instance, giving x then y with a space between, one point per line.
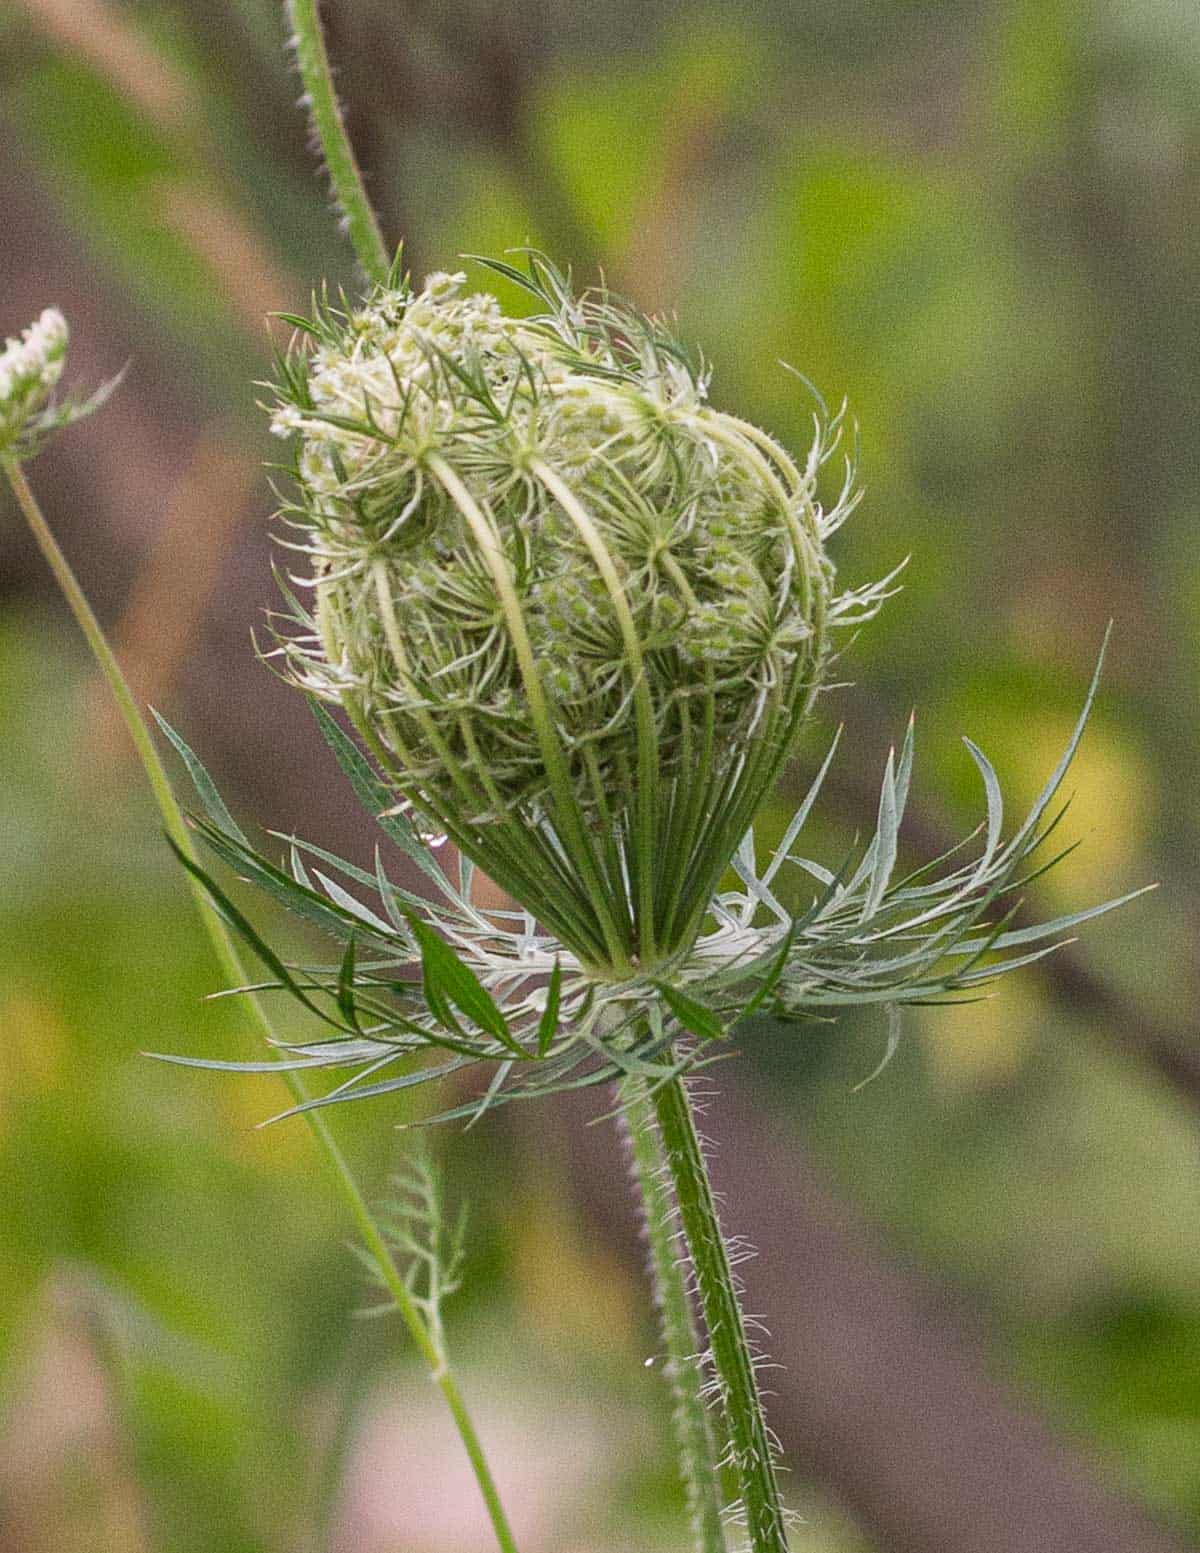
448 981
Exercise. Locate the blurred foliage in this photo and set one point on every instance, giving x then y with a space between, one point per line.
977 222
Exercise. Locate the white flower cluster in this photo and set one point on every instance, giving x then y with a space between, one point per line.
30 369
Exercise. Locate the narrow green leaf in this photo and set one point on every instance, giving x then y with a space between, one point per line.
446 977
1041 803
268 1065
995 800
374 796
305 902
548 1023
240 925
772 977
347 902
297 321
692 1014
895 1029
885 840
1030 935
510 272
205 787
345 986
488 1098
797 822
370 1091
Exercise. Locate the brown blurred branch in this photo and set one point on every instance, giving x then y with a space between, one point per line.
167 603
94 31
194 204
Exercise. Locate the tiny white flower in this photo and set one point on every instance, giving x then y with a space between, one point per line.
31 368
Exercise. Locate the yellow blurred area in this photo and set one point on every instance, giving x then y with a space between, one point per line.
972 1045
1112 812
36 1041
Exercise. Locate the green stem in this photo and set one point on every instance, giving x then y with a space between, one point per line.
362 227
232 969
684 1369
750 1449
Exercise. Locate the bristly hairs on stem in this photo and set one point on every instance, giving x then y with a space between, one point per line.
751 1448
331 138
683 1368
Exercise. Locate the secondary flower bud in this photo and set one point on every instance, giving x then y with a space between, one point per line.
30 369
552 585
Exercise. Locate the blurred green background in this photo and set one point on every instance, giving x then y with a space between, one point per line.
976 220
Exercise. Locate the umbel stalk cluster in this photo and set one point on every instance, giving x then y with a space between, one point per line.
577 614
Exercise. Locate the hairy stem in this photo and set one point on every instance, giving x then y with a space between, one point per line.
683 1369
329 126
232 970
750 1448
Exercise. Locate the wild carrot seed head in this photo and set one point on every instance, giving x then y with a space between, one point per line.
547 575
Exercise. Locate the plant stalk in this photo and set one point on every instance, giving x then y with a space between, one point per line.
750 1449
233 971
349 192
683 1369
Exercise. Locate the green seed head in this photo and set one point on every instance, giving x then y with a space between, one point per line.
553 587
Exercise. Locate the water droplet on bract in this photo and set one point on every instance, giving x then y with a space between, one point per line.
438 841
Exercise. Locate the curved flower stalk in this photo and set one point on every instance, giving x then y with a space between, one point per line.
30 369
